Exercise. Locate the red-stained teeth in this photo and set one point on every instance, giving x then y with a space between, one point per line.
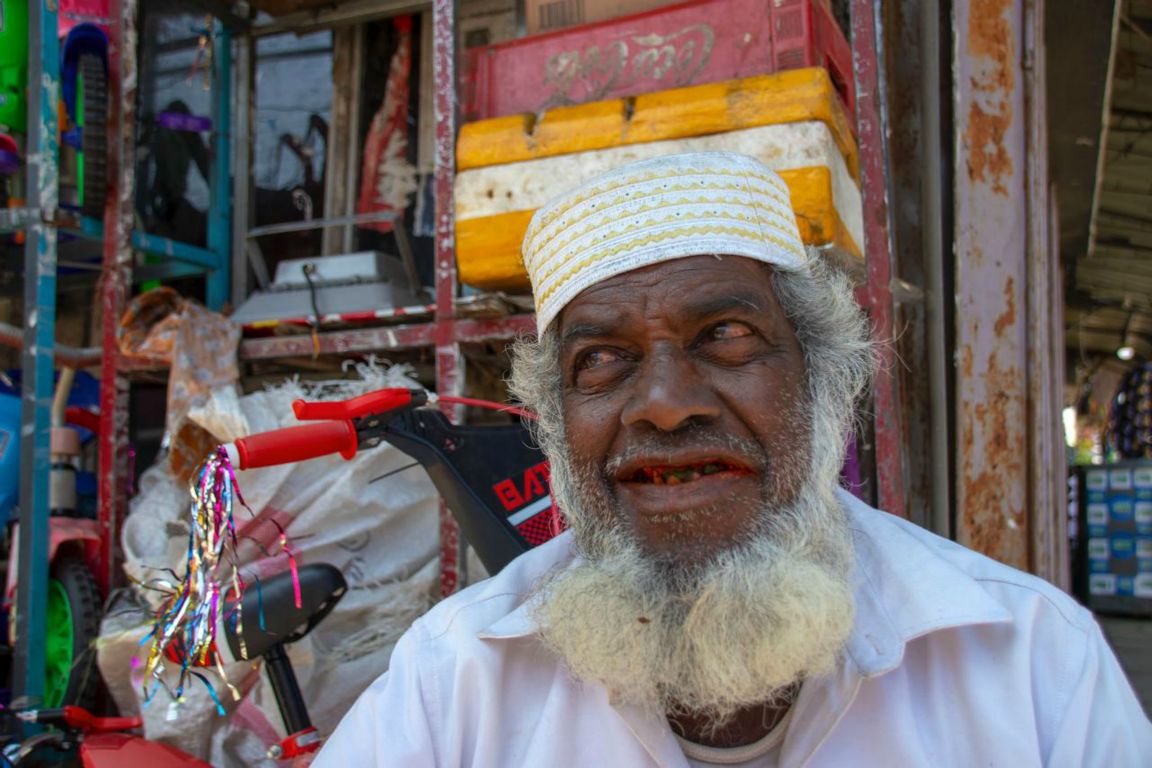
676 475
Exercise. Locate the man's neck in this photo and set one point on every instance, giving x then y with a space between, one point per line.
748 726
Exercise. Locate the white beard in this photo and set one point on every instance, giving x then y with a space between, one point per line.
708 639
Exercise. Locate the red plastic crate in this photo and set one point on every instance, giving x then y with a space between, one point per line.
73 12
690 43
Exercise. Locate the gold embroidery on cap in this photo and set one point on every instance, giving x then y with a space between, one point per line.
636 243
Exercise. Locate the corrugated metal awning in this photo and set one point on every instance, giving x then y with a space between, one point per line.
1110 297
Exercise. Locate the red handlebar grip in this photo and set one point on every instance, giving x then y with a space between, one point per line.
292 444
78 717
381 401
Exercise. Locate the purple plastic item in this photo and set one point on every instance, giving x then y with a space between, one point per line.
180 121
851 474
9 161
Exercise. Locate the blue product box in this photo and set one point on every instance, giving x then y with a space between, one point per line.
1125 586
1142 511
1096 480
1102 584
1123 546
1142 478
1120 479
1143 585
1144 554
1122 509
1098 516
1098 549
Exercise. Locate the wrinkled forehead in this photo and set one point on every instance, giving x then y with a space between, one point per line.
654 212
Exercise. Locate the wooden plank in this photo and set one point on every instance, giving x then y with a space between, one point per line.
338 164
425 116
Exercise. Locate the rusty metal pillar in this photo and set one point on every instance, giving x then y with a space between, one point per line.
871 111
449 361
1048 487
1005 497
114 465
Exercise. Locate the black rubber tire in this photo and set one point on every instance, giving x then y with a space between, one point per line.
95 135
79 585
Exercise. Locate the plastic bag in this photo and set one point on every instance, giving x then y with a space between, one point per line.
382 535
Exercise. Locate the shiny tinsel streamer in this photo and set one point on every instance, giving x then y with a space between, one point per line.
187 621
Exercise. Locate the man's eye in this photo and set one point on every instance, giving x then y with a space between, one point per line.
727 331
595 358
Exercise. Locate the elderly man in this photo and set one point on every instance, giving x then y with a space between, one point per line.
719 600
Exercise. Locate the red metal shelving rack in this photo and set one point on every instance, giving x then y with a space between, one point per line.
446 332
871 113
113 478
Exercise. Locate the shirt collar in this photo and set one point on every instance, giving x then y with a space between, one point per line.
548 557
903 588
518 623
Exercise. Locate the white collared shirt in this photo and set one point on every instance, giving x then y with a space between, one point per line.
954 660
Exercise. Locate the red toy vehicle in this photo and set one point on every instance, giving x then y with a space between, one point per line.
74 602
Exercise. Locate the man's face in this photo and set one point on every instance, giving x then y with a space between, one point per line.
684 399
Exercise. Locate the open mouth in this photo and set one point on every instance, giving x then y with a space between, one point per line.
682 473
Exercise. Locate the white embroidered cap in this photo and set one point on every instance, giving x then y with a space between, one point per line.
653 211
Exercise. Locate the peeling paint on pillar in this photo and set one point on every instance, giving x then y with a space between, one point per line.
991 276
449 362
891 478
990 113
114 477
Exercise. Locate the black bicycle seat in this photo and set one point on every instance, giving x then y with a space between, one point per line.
321 587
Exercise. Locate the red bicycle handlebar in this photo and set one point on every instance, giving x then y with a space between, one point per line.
78 717
292 444
334 431
381 401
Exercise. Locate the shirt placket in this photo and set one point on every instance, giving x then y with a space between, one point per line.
654 734
818 709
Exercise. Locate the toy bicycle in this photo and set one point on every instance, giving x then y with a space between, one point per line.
493 478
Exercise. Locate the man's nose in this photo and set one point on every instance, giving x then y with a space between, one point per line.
669 392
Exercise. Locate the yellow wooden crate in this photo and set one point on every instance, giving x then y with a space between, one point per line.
792 96
506 174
